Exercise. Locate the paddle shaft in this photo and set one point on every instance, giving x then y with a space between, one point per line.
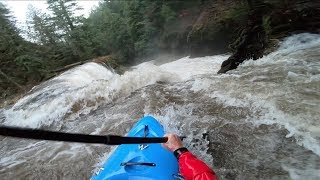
81 138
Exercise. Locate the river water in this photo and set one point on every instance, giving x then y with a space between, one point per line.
260 121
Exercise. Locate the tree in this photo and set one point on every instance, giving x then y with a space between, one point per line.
41 27
70 26
10 45
108 33
64 14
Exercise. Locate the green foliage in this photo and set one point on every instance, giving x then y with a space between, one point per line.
168 14
41 28
126 30
32 66
108 34
64 14
10 41
7 23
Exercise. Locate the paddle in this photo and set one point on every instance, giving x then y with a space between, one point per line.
82 138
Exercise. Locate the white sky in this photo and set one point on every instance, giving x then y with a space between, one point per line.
19 8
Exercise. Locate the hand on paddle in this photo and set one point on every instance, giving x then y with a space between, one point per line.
173 142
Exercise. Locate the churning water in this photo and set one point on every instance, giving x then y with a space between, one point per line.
260 121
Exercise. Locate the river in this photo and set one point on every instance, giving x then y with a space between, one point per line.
260 121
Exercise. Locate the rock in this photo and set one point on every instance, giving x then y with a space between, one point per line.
250 45
269 22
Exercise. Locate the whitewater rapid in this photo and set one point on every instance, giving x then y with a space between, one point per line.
268 108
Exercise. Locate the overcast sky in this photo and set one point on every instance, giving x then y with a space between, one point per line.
19 8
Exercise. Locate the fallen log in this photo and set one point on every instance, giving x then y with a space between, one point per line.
69 66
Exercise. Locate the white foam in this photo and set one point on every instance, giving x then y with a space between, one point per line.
300 41
66 89
186 68
91 81
281 86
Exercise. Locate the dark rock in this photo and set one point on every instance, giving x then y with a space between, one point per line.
268 22
250 45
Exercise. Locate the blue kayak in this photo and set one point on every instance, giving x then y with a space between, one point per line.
140 161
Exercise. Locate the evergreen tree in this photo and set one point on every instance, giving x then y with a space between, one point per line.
10 47
64 14
41 27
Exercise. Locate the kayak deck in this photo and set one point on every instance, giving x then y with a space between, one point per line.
140 161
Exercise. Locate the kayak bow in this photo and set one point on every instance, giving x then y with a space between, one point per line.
140 161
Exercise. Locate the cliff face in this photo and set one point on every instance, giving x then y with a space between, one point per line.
249 28
216 26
